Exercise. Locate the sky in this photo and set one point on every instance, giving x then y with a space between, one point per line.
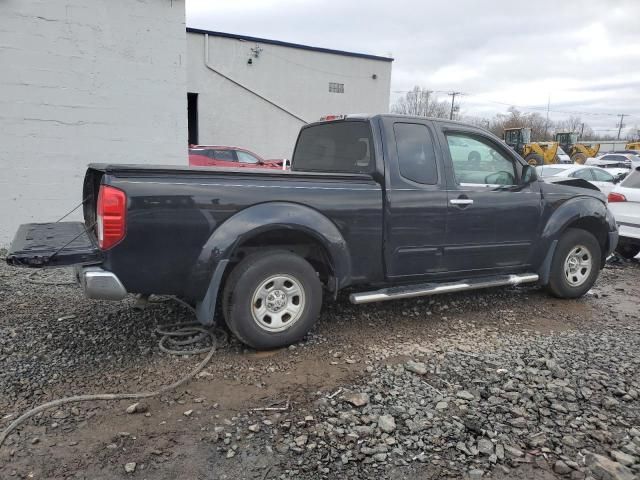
583 56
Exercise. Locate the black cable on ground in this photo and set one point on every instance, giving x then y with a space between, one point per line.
169 333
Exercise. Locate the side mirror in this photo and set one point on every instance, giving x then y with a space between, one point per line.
529 174
618 178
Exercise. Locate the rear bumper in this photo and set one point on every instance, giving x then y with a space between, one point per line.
629 231
100 284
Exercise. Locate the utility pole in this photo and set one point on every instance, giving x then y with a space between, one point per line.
453 99
426 106
582 131
622 115
546 123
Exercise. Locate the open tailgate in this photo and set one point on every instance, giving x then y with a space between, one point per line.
39 245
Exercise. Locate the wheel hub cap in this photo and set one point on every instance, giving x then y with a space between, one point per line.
276 301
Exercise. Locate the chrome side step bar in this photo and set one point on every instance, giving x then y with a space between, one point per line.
424 289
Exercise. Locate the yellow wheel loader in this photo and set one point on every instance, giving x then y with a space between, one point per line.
579 152
534 153
633 146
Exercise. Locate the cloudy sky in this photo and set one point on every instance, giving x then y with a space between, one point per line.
584 55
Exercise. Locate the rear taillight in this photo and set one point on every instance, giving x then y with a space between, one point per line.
112 210
616 197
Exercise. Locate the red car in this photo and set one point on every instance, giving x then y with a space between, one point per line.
235 157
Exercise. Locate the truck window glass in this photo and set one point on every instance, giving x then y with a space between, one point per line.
416 156
334 147
478 162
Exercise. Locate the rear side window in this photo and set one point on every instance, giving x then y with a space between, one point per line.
584 174
343 146
416 155
633 180
225 155
602 176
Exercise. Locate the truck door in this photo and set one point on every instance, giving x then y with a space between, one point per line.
416 199
492 220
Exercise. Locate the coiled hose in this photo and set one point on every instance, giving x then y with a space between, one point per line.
193 333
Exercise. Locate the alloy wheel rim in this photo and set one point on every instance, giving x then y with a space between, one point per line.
277 303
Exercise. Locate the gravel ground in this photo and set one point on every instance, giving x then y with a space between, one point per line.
506 383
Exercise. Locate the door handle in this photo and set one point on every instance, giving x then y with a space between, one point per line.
461 201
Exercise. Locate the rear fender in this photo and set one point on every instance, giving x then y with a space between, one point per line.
208 271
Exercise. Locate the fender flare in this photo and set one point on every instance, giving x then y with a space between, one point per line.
574 209
207 273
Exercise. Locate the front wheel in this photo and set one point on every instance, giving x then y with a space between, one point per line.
575 264
272 299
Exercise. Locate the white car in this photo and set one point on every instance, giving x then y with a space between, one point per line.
615 160
624 203
562 156
599 177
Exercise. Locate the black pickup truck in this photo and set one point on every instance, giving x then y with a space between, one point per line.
386 206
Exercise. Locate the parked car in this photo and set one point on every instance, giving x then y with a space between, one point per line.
624 203
614 160
601 178
221 156
380 205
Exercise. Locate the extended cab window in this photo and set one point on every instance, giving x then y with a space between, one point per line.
416 156
343 146
476 161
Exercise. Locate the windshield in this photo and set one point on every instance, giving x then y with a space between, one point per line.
343 146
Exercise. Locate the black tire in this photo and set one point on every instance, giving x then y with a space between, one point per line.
560 284
534 159
627 250
474 156
245 282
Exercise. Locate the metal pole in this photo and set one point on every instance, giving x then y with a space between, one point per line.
622 115
453 99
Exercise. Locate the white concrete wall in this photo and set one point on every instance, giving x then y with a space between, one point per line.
85 81
296 79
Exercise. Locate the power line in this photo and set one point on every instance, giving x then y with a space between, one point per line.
545 108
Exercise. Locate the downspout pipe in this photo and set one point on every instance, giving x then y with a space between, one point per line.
244 87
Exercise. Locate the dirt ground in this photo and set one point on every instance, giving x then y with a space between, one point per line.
55 343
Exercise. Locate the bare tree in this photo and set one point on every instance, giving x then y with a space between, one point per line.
421 102
516 119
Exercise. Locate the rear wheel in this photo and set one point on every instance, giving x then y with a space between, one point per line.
575 264
579 158
534 159
627 250
272 299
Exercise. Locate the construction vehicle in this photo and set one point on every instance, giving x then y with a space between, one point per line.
534 153
633 146
579 152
